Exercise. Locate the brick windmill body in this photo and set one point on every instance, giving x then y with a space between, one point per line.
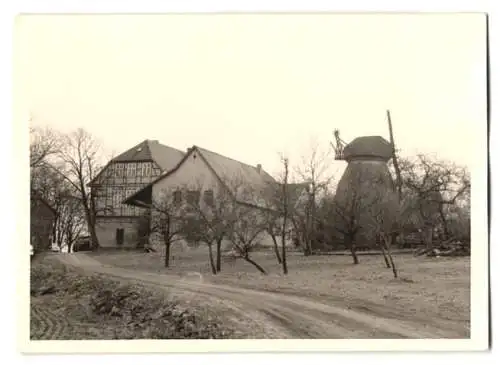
365 178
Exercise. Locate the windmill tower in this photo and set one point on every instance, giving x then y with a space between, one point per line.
365 179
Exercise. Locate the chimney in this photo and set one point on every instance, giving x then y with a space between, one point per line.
259 168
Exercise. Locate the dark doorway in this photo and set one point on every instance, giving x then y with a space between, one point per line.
120 236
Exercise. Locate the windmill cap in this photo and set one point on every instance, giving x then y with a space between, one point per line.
369 148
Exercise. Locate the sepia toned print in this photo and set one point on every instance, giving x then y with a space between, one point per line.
252 177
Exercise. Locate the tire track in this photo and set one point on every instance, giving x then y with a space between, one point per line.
45 325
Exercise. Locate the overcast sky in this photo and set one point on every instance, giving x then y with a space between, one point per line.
251 86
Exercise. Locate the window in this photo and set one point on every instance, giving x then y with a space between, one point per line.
117 197
146 169
177 197
110 170
101 203
193 197
208 197
138 169
119 170
131 169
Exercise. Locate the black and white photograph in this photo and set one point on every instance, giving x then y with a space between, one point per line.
253 176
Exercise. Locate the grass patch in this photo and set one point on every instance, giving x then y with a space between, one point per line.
67 304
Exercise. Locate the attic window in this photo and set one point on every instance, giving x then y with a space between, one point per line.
208 197
193 197
177 197
139 149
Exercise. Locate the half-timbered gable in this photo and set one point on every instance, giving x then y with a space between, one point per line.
117 223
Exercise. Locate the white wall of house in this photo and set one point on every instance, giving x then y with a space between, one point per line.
196 175
106 231
193 173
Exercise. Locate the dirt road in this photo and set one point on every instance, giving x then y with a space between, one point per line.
279 315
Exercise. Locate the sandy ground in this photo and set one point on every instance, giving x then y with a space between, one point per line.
322 297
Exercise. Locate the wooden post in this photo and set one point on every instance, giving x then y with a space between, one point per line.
394 159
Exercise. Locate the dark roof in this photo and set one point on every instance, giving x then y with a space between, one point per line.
151 150
224 168
368 147
148 150
36 196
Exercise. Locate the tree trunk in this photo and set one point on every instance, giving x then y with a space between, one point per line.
283 258
385 255
393 265
352 245
284 264
167 254
93 237
219 254
446 231
428 237
260 268
276 249
307 249
211 258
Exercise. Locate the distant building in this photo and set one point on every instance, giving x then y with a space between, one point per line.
119 225
42 222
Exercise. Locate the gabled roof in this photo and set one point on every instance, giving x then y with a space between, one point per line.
227 168
224 168
368 147
148 150
151 150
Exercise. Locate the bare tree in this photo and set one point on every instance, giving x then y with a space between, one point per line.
44 143
279 208
347 220
285 207
80 156
209 219
166 220
273 227
432 185
70 219
314 169
246 232
60 194
387 216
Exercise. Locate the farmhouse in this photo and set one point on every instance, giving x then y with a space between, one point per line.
203 174
43 217
118 224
